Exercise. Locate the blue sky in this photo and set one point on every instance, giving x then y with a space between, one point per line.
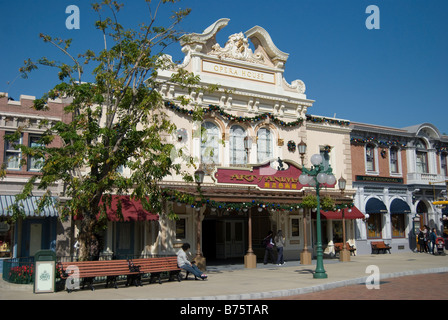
395 76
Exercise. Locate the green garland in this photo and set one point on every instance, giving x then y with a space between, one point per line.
274 119
190 200
388 143
342 123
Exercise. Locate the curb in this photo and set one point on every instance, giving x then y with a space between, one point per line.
311 289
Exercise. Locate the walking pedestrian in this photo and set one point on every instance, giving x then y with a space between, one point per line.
432 240
426 234
421 241
279 243
269 248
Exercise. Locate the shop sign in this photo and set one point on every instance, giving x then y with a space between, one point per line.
275 175
45 276
379 179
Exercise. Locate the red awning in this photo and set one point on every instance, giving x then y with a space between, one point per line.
132 210
352 213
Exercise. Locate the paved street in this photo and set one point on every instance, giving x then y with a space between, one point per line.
417 287
234 282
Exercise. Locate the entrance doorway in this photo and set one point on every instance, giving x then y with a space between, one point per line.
124 239
224 239
35 238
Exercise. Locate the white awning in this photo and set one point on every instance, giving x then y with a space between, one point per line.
29 206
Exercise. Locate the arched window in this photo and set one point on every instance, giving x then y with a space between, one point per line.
264 145
210 143
238 153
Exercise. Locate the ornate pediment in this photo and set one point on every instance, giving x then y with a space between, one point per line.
237 47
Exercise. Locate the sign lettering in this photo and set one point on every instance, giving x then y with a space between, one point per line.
227 70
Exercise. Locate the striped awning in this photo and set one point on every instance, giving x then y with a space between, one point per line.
29 206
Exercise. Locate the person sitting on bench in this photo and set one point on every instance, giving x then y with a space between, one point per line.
183 262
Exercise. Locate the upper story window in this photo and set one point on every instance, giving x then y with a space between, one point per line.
35 163
12 155
393 155
421 157
370 157
444 163
238 153
325 153
210 143
264 145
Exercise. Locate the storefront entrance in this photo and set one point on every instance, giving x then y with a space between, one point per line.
224 238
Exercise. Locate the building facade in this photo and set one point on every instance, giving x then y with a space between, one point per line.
25 236
397 175
248 147
254 122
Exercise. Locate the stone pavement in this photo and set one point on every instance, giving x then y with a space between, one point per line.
234 282
429 287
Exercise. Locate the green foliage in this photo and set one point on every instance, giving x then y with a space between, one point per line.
327 203
310 202
116 121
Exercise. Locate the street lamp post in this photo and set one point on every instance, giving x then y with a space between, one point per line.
344 255
199 259
316 177
305 255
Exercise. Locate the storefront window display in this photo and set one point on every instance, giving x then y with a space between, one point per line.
5 239
374 226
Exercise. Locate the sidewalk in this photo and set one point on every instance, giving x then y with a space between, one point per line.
236 283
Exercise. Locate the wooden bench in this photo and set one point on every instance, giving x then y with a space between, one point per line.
86 271
379 246
348 247
156 266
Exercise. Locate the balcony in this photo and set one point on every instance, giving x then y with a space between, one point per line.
425 178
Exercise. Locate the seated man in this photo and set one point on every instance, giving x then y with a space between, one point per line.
183 262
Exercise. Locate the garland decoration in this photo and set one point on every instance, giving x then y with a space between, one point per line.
315 119
327 203
274 119
291 146
230 117
388 143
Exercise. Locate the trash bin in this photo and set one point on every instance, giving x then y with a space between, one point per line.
44 271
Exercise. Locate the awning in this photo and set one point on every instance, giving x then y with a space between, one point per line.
399 206
375 205
352 213
29 206
349 213
132 210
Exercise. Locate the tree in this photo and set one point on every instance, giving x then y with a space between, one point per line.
117 120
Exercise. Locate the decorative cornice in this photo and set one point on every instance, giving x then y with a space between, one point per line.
260 36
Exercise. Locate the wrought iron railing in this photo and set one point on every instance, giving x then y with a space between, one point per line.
19 270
